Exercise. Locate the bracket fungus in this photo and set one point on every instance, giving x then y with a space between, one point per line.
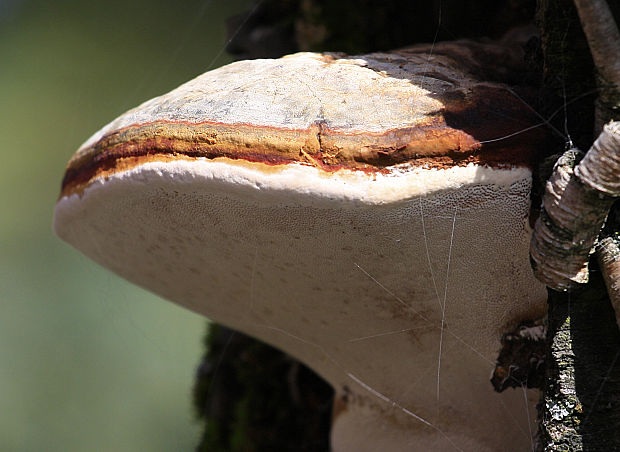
368 215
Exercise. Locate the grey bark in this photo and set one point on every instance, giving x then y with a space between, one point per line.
581 406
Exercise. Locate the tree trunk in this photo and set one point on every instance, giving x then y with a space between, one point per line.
581 402
580 409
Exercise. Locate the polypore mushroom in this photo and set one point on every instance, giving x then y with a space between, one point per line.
368 215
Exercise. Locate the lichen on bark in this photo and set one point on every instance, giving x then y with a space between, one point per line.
581 404
562 407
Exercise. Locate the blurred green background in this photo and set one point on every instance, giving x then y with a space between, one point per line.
88 362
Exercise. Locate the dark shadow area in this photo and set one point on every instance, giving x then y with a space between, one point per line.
256 398
583 413
355 26
596 344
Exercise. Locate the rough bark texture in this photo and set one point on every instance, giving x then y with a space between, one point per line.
601 29
570 221
562 407
568 88
578 196
521 360
600 168
581 406
608 253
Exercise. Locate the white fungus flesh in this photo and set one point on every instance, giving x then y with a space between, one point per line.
352 212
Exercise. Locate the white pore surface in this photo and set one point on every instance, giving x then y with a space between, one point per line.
351 273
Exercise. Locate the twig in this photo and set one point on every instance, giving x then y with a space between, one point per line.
603 37
575 206
604 41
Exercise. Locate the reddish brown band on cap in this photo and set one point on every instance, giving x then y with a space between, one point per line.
453 137
459 121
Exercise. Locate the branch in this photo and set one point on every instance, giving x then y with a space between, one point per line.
575 206
603 37
604 41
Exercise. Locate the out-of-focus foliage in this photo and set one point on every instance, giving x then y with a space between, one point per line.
88 361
